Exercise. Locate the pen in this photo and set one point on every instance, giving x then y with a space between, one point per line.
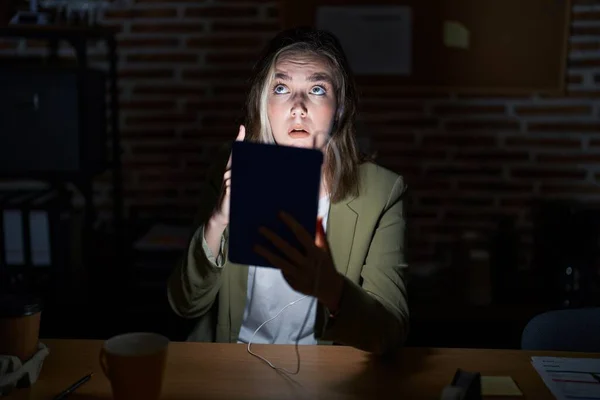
74 386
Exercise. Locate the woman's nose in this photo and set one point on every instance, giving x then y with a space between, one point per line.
299 108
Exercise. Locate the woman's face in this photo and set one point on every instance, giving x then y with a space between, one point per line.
302 101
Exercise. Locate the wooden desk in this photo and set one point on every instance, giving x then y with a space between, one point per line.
227 371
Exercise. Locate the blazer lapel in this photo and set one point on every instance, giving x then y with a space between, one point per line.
341 225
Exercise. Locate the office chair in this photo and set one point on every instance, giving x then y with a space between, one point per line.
564 330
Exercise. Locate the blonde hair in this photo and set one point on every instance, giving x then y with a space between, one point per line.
342 157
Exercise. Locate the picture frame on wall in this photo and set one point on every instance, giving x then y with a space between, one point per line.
471 46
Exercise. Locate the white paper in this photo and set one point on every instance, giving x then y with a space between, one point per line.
376 39
13 238
39 228
570 378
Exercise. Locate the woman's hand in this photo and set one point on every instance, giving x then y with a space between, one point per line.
313 274
221 213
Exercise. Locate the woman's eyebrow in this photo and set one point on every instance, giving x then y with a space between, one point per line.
320 76
317 76
283 76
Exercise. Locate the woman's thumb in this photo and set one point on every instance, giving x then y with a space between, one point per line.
242 134
320 237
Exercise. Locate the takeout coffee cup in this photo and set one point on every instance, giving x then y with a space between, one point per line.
135 364
19 326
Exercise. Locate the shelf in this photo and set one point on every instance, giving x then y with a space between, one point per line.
83 174
57 32
55 176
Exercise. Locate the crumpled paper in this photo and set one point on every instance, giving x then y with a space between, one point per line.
14 373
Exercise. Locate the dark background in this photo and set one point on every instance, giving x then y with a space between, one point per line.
501 183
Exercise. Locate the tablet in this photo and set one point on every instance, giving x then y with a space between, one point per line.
267 179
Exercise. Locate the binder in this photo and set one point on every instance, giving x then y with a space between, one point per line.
25 230
41 222
13 234
5 196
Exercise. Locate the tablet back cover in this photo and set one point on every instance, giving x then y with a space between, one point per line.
267 179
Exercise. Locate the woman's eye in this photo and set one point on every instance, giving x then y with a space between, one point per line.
280 89
318 90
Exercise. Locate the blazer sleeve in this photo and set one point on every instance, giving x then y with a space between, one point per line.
374 316
194 283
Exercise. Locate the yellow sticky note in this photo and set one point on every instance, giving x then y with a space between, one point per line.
499 386
456 35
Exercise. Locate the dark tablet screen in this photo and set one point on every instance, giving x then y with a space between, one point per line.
267 179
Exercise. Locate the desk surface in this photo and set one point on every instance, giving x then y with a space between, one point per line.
227 371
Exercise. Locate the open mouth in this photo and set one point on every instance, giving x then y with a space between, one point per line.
298 133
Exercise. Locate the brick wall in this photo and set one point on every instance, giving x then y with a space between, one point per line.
467 159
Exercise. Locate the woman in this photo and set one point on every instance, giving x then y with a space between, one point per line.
303 95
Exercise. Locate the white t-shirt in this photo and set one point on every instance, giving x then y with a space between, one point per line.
268 293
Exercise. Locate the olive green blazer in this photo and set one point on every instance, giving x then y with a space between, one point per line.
366 238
